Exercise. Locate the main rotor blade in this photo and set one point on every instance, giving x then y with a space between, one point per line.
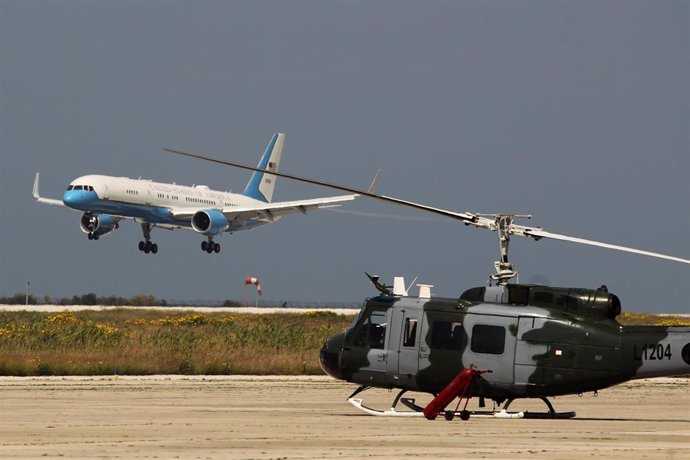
539 233
465 217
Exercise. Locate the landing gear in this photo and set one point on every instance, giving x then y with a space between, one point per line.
93 236
209 246
147 246
550 414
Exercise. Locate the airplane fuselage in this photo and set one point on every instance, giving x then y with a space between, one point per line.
152 202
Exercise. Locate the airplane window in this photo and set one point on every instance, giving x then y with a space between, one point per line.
77 187
70 187
488 339
410 333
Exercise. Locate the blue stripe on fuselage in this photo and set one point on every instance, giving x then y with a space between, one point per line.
90 202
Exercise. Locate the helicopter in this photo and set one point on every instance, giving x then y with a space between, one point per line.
502 342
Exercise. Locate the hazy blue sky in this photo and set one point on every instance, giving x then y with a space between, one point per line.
577 112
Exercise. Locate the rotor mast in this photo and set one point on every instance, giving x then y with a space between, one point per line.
503 224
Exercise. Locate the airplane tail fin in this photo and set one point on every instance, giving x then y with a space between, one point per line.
261 185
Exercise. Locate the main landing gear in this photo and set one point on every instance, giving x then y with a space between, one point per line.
209 246
147 246
93 236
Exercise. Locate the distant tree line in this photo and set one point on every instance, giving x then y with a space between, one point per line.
152 301
85 299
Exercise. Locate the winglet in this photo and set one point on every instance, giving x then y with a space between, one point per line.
36 194
40 199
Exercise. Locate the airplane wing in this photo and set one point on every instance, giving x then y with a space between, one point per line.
268 211
40 199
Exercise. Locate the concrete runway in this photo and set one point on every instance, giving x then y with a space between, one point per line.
308 418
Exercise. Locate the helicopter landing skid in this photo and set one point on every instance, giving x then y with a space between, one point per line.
417 411
551 414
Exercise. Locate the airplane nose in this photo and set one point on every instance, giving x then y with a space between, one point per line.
76 199
69 198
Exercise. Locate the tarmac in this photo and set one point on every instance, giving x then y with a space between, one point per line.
283 417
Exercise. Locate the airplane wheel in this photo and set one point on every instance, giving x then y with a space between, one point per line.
147 249
216 248
90 235
142 245
154 248
209 247
465 415
96 236
204 245
449 414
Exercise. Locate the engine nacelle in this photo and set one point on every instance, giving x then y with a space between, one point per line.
98 224
209 222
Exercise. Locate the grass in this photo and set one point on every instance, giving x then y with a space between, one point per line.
140 342
131 341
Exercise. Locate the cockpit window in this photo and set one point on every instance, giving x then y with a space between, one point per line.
70 187
372 330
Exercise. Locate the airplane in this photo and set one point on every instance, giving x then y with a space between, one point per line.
502 342
106 200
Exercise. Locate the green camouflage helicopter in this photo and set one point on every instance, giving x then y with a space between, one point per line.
500 342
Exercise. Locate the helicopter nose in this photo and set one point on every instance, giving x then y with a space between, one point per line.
329 356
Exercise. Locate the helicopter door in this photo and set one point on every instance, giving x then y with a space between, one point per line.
403 360
491 345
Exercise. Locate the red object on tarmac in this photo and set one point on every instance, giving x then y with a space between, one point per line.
457 387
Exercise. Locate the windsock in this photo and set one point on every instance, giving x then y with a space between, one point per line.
254 281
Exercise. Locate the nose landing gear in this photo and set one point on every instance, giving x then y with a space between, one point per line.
209 246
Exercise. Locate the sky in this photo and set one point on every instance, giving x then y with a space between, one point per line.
577 112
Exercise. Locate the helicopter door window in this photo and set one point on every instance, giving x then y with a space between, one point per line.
410 335
488 339
447 336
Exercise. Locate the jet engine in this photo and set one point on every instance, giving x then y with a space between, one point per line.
97 225
209 222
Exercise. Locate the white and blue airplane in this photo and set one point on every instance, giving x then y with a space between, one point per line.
106 200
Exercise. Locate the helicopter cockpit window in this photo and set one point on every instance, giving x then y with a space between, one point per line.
410 332
488 339
372 331
447 336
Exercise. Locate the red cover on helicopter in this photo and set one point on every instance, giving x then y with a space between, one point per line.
458 386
